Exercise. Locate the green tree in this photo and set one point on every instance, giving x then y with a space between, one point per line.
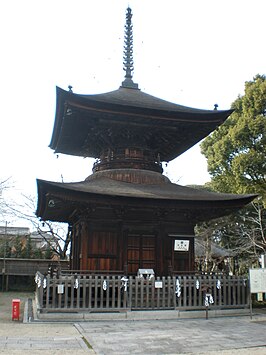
5 249
17 248
48 253
37 253
27 250
236 151
236 155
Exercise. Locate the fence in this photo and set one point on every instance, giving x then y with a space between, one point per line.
102 293
14 268
27 267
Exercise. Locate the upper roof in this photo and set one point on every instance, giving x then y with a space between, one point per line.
127 118
85 123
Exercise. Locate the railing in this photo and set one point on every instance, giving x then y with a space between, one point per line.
103 293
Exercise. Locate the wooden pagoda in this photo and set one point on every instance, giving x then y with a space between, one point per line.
127 215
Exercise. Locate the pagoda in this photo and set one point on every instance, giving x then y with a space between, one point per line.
127 215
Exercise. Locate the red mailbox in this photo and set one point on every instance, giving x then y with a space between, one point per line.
15 309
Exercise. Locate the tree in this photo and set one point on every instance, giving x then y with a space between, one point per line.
48 253
243 233
56 235
27 250
61 237
17 248
236 151
4 186
236 155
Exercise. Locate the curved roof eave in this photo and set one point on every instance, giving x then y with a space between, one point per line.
126 97
169 191
65 197
132 101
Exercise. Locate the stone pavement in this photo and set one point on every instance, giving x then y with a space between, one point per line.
227 335
17 337
223 335
38 338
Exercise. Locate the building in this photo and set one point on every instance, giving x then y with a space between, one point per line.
127 215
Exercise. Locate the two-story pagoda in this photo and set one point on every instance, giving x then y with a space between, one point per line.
127 215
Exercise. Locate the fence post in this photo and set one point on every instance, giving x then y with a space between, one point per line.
130 290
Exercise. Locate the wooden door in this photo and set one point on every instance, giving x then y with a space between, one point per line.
102 251
141 252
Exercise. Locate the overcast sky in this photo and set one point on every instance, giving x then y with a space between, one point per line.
192 52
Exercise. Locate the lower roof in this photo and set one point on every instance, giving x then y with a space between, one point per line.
156 190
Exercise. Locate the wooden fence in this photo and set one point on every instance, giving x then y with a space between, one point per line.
98 293
27 267
15 267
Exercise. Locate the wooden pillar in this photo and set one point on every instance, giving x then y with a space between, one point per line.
85 234
160 251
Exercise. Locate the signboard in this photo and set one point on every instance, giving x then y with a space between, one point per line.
257 279
158 284
60 289
181 245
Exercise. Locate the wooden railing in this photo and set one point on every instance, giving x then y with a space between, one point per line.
103 293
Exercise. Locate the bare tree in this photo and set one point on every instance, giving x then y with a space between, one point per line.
56 235
254 232
5 184
61 237
243 232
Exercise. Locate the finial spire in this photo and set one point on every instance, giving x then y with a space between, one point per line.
128 52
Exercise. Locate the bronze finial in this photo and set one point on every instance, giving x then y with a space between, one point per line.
128 52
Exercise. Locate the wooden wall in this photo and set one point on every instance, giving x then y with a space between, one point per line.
122 246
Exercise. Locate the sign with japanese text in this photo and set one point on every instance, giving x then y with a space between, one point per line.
257 279
181 245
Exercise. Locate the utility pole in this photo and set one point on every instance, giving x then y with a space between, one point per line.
4 264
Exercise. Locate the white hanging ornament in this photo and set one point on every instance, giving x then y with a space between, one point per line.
208 299
218 284
124 280
105 285
44 285
76 284
39 282
197 284
177 288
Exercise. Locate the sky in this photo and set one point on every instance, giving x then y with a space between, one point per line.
195 53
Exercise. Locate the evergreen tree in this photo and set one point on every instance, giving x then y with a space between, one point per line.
37 253
27 250
7 250
236 151
236 155
48 253
17 248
